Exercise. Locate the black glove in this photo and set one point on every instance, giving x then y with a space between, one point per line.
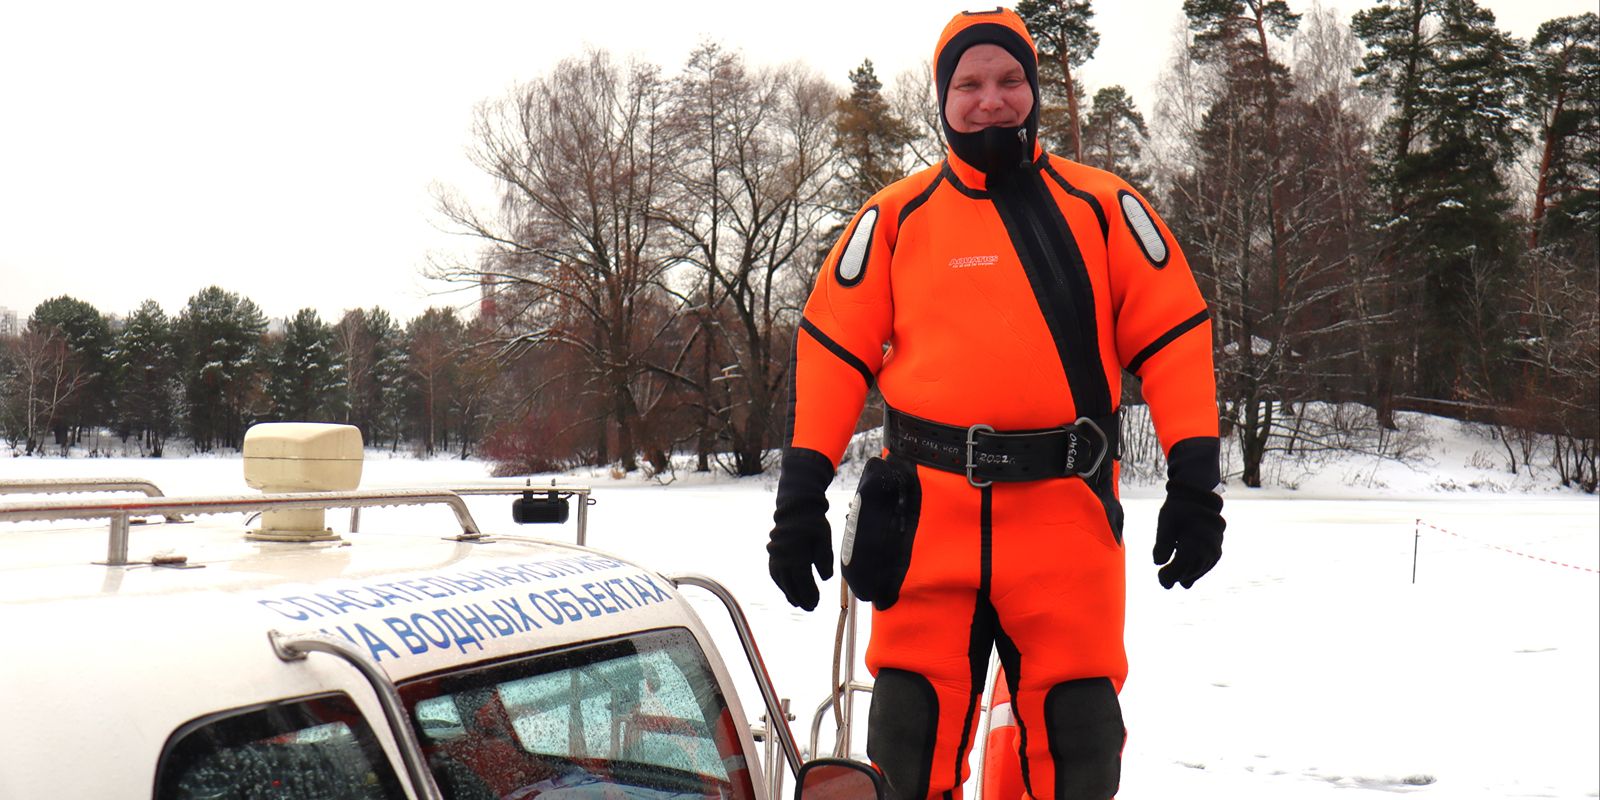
1189 528
801 538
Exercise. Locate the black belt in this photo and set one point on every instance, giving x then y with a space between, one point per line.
986 455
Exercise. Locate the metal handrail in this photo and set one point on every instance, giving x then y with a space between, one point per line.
118 511
777 719
83 486
297 646
844 693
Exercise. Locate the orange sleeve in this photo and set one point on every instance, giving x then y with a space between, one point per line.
1163 328
839 346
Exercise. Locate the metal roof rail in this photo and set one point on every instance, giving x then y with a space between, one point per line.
83 486
118 511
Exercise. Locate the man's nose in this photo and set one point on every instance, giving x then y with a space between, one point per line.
990 99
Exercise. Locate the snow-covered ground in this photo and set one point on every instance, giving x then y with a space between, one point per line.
1306 665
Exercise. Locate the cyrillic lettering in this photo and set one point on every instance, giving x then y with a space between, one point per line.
599 598
465 584
458 629
375 645
346 594
422 623
338 604
567 608
393 591
612 593
645 592
588 605
661 594
540 602
295 615
623 585
502 625
408 637
316 609
521 618
473 617
422 587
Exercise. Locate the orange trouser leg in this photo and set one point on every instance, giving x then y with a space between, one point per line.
923 708
1033 569
1058 590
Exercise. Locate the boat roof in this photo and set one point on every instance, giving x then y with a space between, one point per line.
91 652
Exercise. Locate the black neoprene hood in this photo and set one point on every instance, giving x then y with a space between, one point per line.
979 149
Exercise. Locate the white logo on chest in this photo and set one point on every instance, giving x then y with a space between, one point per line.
963 262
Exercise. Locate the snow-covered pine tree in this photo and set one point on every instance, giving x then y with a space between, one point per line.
146 368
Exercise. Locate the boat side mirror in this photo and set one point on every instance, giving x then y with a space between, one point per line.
532 510
839 779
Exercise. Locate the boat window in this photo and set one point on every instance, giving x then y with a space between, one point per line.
317 748
640 718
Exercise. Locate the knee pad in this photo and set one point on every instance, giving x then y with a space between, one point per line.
1083 722
901 729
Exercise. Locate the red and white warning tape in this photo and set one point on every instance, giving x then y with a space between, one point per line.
1421 525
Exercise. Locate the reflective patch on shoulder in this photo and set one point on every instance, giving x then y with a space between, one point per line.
853 262
1144 229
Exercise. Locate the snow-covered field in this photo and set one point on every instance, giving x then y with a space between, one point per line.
1308 664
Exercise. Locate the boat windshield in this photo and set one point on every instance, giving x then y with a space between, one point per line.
636 718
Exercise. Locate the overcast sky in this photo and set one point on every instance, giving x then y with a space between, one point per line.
285 151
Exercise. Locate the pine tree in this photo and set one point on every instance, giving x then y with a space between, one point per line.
871 140
146 368
303 375
1564 99
219 344
1452 75
1238 33
1114 134
1558 298
1065 39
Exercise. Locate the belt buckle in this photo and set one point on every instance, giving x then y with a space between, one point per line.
972 442
1100 455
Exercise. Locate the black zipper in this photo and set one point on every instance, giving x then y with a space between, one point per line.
1060 282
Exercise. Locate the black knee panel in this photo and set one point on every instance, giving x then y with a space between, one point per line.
901 729
1083 721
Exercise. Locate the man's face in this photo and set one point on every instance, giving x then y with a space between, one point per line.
988 89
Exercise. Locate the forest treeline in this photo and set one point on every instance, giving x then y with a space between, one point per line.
217 367
1398 210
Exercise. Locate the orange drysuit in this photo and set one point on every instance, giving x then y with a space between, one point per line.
1012 300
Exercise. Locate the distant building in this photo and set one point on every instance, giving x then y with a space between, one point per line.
487 290
8 322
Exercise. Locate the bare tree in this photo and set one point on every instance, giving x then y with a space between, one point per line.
577 256
434 350
912 100
41 376
1267 197
747 211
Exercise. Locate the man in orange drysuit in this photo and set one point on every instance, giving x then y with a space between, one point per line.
1012 288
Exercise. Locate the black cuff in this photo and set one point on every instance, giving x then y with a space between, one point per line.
1194 463
1198 498
803 477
